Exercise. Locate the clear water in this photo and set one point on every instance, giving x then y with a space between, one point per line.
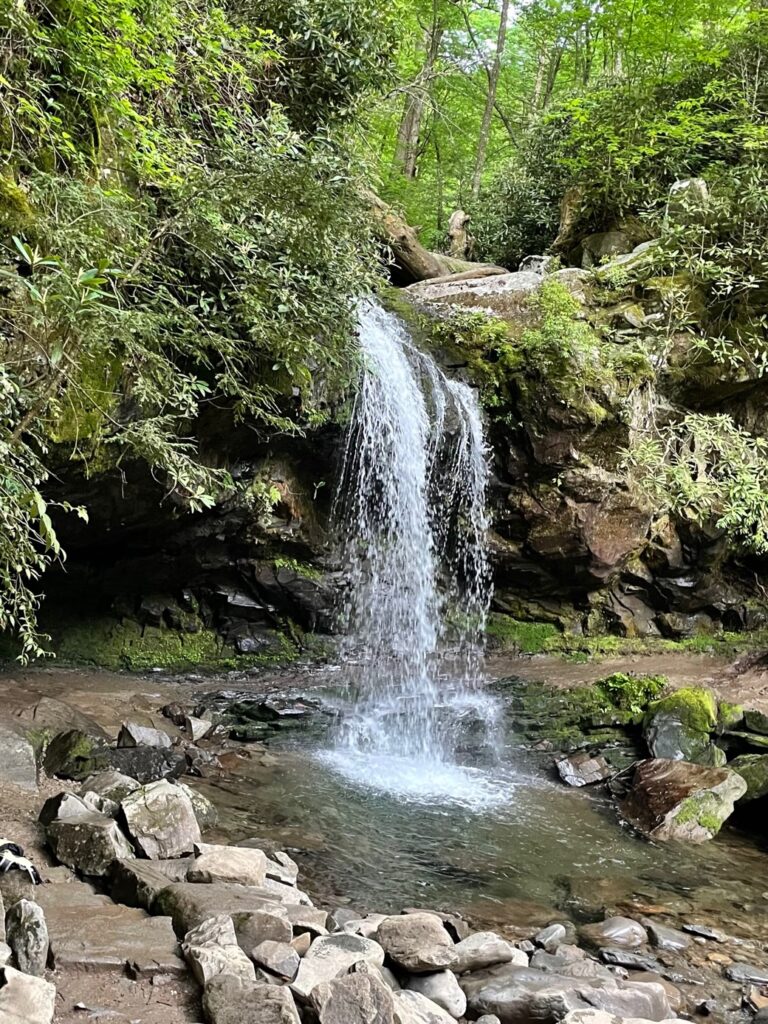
411 514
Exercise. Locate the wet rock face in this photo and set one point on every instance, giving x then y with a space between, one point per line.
678 800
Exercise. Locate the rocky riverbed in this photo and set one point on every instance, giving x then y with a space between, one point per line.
157 905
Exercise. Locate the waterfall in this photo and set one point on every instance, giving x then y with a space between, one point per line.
411 509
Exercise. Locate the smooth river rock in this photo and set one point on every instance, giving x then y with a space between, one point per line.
414 1008
417 942
486 949
519 995
615 931
161 820
443 989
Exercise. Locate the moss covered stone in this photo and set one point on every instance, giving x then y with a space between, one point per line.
753 768
680 726
729 716
527 637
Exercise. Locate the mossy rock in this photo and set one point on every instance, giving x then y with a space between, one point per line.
756 721
526 637
753 768
679 727
729 716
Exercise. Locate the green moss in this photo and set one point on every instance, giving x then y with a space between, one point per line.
526 637
308 572
125 645
704 810
695 707
629 692
729 716
15 208
753 768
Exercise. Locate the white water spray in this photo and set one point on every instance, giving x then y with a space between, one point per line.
411 507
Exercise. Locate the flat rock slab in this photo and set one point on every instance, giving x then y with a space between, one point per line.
189 903
91 933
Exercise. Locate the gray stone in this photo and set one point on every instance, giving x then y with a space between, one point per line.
331 956
5 954
278 957
17 760
601 1017
615 931
310 919
27 936
688 201
519 995
338 917
582 769
232 1000
382 973
602 244
745 974
632 961
365 926
286 893
90 843
301 943
63 805
110 784
443 989
353 999
551 937
414 1008
188 903
665 938
211 949
25 999
138 883
282 868
677 800
197 728
417 942
488 1018
205 812
668 736
704 931
227 864
133 735
486 949
257 926
101 804
161 820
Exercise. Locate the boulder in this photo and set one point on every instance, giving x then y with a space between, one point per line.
600 1017
256 926
286 893
205 812
310 919
229 999
27 936
25 999
753 768
519 995
63 805
147 764
76 755
614 931
110 784
551 937
94 802
278 957
688 201
331 956
486 949
506 295
414 1008
667 939
211 949
18 765
441 988
365 926
138 883
227 864
188 903
756 721
677 800
161 820
282 868
417 942
133 735
596 248
90 842
583 769
353 999
679 727
618 957
197 728
746 974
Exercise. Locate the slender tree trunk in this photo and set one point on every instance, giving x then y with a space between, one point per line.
490 101
407 149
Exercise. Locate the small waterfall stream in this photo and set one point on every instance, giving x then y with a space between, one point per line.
411 511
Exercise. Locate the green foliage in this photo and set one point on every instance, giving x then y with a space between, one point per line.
630 692
189 234
709 470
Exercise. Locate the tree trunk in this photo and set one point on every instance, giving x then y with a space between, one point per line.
490 101
407 148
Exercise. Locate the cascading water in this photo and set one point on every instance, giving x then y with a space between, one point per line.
411 508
